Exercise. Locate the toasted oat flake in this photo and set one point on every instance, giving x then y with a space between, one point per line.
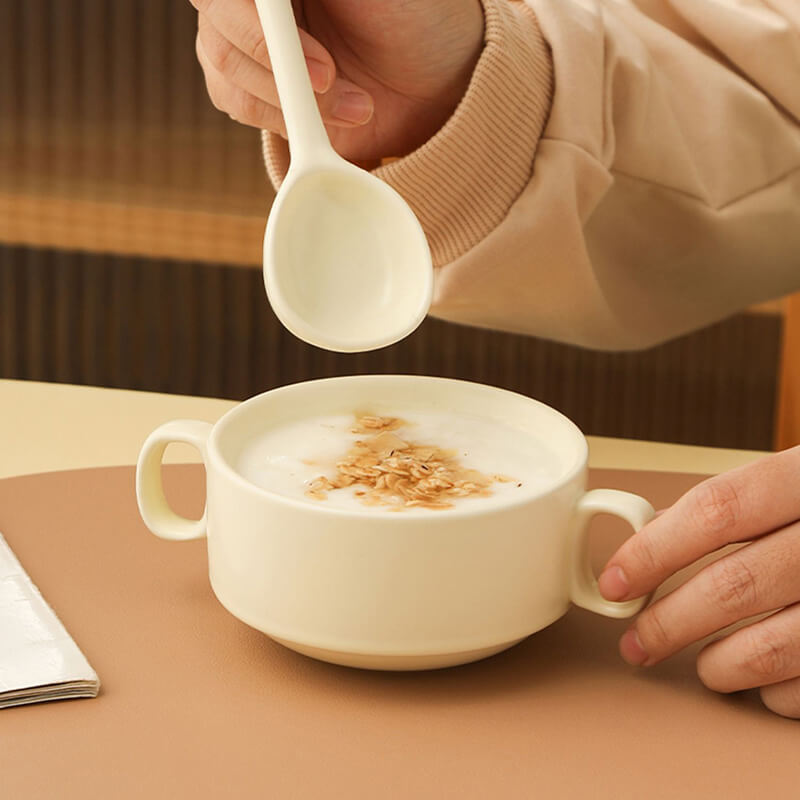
397 474
367 423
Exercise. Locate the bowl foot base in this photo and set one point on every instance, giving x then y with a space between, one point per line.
396 662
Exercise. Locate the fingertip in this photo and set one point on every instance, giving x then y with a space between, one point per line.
613 583
632 650
321 65
353 108
782 698
321 74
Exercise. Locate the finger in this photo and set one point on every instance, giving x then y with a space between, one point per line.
248 73
237 21
236 102
345 105
733 507
755 579
783 698
761 654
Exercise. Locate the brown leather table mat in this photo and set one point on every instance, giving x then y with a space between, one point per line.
195 704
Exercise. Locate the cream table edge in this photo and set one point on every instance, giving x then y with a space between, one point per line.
47 427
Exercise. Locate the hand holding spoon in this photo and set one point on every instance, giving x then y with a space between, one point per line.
346 263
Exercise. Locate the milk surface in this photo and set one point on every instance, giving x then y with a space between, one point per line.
287 458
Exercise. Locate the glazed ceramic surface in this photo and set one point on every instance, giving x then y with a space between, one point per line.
382 590
346 263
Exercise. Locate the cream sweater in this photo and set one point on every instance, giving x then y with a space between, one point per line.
619 172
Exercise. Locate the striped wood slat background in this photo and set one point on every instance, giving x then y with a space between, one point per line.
108 143
208 330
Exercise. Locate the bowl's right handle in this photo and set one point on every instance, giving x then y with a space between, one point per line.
153 505
583 585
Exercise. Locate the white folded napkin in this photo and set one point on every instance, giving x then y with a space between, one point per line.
38 659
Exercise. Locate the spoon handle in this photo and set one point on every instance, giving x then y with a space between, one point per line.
308 139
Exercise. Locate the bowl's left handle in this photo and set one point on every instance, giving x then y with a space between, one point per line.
153 505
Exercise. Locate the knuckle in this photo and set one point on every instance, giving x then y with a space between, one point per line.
216 100
716 507
767 657
654 632
733 586
220 99
250 108
646 552
213 93
258 50
220 52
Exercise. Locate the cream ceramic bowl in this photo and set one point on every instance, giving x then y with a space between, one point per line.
381 590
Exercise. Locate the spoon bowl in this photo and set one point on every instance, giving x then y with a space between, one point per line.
346 263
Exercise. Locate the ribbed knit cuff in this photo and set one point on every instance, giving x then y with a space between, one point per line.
462 182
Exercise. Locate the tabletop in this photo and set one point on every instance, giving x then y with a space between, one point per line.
47 426
196 704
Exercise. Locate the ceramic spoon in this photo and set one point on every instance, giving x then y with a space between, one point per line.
346 263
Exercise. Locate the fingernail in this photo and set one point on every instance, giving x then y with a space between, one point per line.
630 648
353 107
613 583
320 74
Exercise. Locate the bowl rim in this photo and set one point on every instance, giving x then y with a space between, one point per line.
526 497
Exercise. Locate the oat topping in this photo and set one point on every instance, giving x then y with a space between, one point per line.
399 474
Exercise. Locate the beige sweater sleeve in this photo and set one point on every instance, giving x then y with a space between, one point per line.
619 172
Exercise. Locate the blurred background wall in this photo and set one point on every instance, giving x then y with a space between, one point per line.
131 215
